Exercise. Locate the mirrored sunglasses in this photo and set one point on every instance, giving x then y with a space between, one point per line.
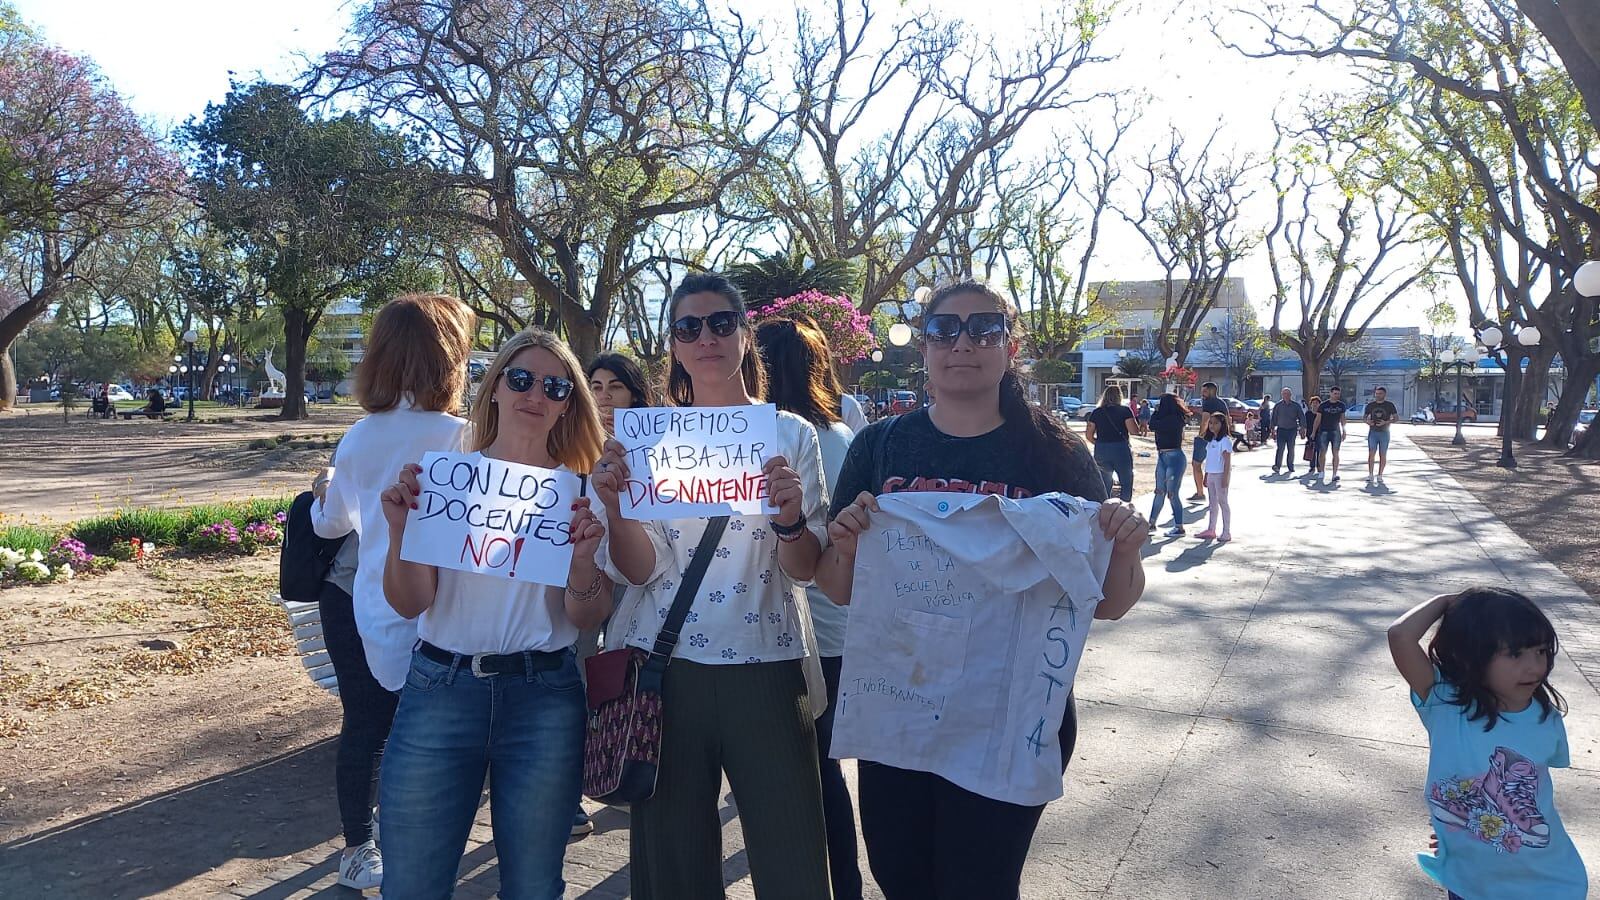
555 387
687 329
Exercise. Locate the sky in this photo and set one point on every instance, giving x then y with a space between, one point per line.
169 58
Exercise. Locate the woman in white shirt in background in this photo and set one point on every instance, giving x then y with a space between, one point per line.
735 696
411 383
493 686
801 380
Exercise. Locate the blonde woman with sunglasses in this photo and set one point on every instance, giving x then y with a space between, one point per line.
494 686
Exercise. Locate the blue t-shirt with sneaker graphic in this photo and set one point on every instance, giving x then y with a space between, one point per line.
1490 796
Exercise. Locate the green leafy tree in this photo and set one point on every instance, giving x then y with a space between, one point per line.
787 274
299 198
1055 371
1239 345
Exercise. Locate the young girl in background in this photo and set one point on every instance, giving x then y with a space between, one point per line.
1218 463
1494 731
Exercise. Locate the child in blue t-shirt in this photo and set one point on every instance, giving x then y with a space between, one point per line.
1494 732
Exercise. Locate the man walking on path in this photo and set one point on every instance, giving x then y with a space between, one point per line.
1286 416
1380 415
1330 431
1209 403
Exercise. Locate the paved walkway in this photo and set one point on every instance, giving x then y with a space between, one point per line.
1242 732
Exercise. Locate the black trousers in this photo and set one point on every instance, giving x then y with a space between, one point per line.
1286 438
928 839
368 713
838 813
753 723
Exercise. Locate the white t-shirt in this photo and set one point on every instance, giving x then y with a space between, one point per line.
1216 452
368 461
474 613
967 623
828 619
746 610
850 412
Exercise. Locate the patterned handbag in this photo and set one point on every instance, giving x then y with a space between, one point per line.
622 745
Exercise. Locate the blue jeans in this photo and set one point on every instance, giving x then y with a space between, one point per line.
1116 458
526 733
1169 484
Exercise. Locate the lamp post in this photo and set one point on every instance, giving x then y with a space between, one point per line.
1459 360
900 333
189 337
877 361
1502 346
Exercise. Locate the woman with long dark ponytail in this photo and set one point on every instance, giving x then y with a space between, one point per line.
928 838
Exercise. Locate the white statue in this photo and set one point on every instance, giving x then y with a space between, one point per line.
276 382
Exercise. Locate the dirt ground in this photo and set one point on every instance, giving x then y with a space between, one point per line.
138 705
58 472
1548 500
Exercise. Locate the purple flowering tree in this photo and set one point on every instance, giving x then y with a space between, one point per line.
79 167
848 329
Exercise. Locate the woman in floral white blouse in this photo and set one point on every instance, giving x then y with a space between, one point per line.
736 699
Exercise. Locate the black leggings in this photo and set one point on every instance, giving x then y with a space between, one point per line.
844 869
368 713
928 839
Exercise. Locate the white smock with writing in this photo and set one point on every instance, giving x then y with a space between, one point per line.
968 618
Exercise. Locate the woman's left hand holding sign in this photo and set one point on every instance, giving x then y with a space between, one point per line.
586 534
609 475
783 486
399 499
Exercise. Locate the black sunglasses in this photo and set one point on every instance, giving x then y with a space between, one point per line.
987 329
555 387
687 329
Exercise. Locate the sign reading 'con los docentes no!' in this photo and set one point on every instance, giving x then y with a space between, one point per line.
484 515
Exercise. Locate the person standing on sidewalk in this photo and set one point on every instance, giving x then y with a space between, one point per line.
1107 429
1286 419
1309 433
1330 431
801 380
1209 403
1167 422
1380 414
1218 435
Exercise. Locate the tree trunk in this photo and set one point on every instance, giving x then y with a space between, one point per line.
296 335
208 378
1531 392
1558 431
11 326
584 337
1310 376
8 379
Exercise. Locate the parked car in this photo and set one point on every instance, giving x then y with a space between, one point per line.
1253 404
1069 405
1237 409
1585 419
902 402
118 393
1447 416
1356 411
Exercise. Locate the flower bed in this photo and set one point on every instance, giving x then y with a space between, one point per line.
132 535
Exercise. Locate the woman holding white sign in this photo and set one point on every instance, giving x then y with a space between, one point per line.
494 685
928 838
735 693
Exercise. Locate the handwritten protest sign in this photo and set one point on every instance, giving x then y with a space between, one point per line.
696 462
494 517
967 623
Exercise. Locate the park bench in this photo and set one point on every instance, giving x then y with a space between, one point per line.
306 620
139 413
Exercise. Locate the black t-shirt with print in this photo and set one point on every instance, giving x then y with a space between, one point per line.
922 458
1332 414
1209 405
1380 413
1111 424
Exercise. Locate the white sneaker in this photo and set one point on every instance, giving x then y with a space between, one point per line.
361 867
1176 531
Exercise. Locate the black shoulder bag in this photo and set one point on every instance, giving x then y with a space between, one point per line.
622 746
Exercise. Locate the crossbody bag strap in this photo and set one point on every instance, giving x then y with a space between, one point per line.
667 637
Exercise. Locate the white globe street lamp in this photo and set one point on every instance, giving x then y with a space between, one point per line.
922 294
900 333
1587 279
